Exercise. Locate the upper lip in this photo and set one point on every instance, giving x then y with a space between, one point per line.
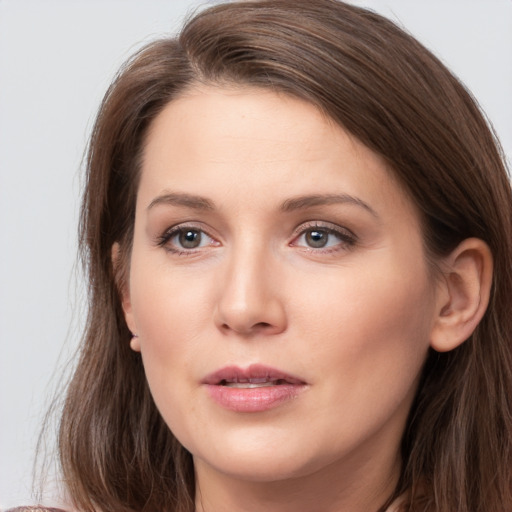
255 373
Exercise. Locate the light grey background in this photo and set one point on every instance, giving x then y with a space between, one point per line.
56 60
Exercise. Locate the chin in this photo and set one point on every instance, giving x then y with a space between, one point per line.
263 469
265 461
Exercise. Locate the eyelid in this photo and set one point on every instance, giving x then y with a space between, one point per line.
325 225
345 235
163 239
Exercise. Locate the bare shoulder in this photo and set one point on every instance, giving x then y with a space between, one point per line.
35 509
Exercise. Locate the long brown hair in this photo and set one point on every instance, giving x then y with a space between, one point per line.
385 88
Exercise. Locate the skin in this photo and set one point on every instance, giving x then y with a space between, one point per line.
353 319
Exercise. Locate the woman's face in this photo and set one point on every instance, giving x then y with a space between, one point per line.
278 286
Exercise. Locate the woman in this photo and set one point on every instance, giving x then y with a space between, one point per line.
297 227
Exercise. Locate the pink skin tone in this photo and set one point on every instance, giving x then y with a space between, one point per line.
350 321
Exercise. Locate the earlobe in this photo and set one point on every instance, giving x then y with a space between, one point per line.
121 280
135 343
463 295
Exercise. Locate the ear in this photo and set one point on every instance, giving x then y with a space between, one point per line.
123 288
463 295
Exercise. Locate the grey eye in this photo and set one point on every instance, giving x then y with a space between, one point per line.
319 237
189 238
316 238
183 239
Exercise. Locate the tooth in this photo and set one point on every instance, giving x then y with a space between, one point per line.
249 385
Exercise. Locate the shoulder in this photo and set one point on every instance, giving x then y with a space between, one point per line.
396 505
35 509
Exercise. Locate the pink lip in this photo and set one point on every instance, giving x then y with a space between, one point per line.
254 399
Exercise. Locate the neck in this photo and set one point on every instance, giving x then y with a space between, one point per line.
362 486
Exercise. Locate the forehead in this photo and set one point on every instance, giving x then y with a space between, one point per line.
257 144
256 118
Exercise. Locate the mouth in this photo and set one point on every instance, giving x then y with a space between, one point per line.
253 389
253 383
254 376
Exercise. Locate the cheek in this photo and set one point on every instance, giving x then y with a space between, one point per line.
168 303
169 312
376 301
360 334
370 331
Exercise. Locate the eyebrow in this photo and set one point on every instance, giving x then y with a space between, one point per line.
290 205
310 201
180 199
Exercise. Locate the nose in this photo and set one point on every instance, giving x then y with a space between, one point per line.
250 296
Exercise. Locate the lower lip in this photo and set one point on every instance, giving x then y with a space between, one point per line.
254 399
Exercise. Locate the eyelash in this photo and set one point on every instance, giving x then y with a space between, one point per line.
164 239
346 238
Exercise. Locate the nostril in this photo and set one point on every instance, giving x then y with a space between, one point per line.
261 317
261 325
